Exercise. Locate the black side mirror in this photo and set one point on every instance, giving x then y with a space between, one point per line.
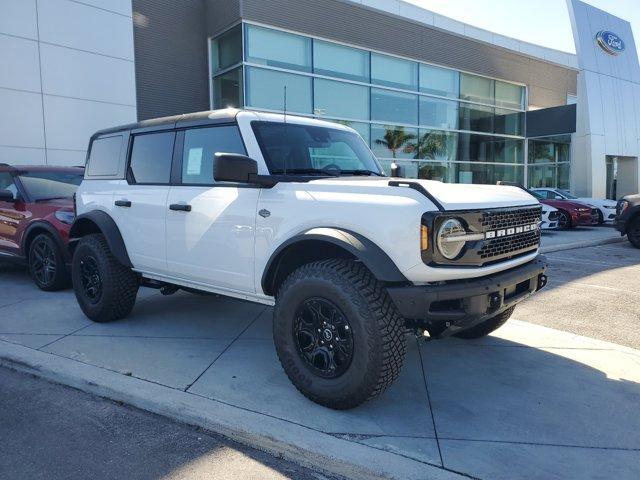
6 196
232 167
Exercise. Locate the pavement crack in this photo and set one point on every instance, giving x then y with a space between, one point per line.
227 348
433 418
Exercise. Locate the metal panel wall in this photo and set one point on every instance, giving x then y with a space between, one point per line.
357 25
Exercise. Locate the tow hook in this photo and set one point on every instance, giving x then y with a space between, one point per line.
542 281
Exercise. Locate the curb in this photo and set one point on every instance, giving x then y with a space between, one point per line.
293 442
587 243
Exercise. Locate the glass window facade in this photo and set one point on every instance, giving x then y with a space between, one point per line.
436 122
549 161
226 50
274 48
266 90
394 72
339 99
336 60
393 106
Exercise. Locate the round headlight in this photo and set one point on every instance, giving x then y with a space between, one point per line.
449 247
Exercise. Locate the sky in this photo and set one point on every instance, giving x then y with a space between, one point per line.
543 22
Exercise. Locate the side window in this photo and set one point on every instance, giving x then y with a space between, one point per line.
200 147
151 156
7 183
104 157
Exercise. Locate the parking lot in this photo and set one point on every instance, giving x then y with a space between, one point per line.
544 397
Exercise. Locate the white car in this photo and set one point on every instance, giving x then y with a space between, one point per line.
550 217
606 208
297 213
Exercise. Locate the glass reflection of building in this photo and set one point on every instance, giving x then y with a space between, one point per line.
434 122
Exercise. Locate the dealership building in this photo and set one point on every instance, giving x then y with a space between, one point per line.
442 99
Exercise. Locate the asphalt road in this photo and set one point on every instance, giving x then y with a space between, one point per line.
593 292
52 432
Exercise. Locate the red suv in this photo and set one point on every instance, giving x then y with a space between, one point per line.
36 211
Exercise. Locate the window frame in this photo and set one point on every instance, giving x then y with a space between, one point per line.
137 133
22 194
178 157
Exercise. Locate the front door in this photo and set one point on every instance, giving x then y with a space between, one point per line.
211 226
140 202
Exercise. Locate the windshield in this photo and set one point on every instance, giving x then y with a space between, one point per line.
566 194
538 195
49 185
302 149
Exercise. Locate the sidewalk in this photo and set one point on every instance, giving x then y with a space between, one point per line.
529 402
579 237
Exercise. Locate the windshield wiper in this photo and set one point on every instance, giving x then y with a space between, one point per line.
362 172
307 171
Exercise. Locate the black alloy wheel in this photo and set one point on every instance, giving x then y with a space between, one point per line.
46 264
90 278
324 337
564 220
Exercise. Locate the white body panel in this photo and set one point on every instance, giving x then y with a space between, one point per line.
213 243
223 245
142 225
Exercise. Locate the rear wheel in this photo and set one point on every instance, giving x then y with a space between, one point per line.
485 328
47 264
600 218
337 333
106 290
633 232
564 219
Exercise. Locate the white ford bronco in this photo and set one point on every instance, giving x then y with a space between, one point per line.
297 213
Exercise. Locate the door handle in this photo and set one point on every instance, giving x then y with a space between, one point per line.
122 203
180 207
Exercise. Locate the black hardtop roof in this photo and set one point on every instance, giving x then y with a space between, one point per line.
226 115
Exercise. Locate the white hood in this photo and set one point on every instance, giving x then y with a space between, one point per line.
452 196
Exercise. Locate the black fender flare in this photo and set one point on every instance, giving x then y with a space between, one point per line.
51 230
98 221
360 247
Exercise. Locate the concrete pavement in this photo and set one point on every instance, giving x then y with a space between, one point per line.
526 402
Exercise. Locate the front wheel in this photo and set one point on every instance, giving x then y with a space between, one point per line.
47 264
633 232
485 328
337 333
106 290
564 220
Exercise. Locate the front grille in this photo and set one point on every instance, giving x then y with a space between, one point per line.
506 245
507 232
493 220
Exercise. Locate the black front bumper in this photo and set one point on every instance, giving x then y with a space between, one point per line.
450 307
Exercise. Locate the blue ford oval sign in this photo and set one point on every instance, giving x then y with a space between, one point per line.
610 42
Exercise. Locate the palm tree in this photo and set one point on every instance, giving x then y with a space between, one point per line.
394 139
431 145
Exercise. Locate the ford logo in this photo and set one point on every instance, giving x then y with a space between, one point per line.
610 42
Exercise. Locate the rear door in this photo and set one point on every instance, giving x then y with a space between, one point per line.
210 226
12 214
140 201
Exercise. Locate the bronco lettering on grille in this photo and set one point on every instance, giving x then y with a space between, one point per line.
506 232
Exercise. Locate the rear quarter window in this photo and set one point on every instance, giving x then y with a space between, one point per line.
104 156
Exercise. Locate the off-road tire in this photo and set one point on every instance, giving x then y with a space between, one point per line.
379 334
633 231
119 284
485 328
59 277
